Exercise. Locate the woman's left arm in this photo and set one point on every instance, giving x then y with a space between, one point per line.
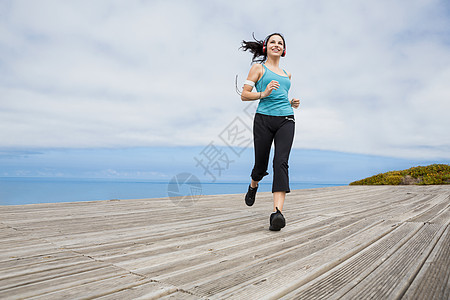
295 103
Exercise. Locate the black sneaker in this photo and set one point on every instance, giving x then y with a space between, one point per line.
250 196
277 221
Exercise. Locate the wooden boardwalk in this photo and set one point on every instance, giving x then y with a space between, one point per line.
352 242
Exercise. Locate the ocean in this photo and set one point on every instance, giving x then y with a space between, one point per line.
18 191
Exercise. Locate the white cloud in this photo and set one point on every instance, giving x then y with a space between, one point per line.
373 76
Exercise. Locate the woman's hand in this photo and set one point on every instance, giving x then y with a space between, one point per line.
273 85
295 103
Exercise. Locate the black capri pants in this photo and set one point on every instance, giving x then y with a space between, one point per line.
280 131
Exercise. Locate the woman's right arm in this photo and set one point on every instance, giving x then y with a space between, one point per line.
254 75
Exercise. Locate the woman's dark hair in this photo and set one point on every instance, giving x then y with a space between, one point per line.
256 47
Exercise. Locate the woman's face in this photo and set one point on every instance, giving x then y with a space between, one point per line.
275 45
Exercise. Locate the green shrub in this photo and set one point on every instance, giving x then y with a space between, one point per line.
424 175
393 179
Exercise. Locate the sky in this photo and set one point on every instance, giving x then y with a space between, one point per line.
84 85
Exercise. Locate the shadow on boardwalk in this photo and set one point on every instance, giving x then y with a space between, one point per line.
358 242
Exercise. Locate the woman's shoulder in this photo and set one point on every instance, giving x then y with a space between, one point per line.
257 68
288 73
256 72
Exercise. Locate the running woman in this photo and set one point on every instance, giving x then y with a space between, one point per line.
274 120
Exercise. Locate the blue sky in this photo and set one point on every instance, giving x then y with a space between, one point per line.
140 88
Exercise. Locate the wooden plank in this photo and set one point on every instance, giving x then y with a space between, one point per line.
48 282
432 282
338 242
309 265
100 287
338 281
394 276
151 290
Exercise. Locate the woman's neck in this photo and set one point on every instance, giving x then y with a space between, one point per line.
273 62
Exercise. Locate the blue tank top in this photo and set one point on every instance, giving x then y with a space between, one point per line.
277 103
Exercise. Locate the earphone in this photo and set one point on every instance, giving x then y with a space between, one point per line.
267 39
